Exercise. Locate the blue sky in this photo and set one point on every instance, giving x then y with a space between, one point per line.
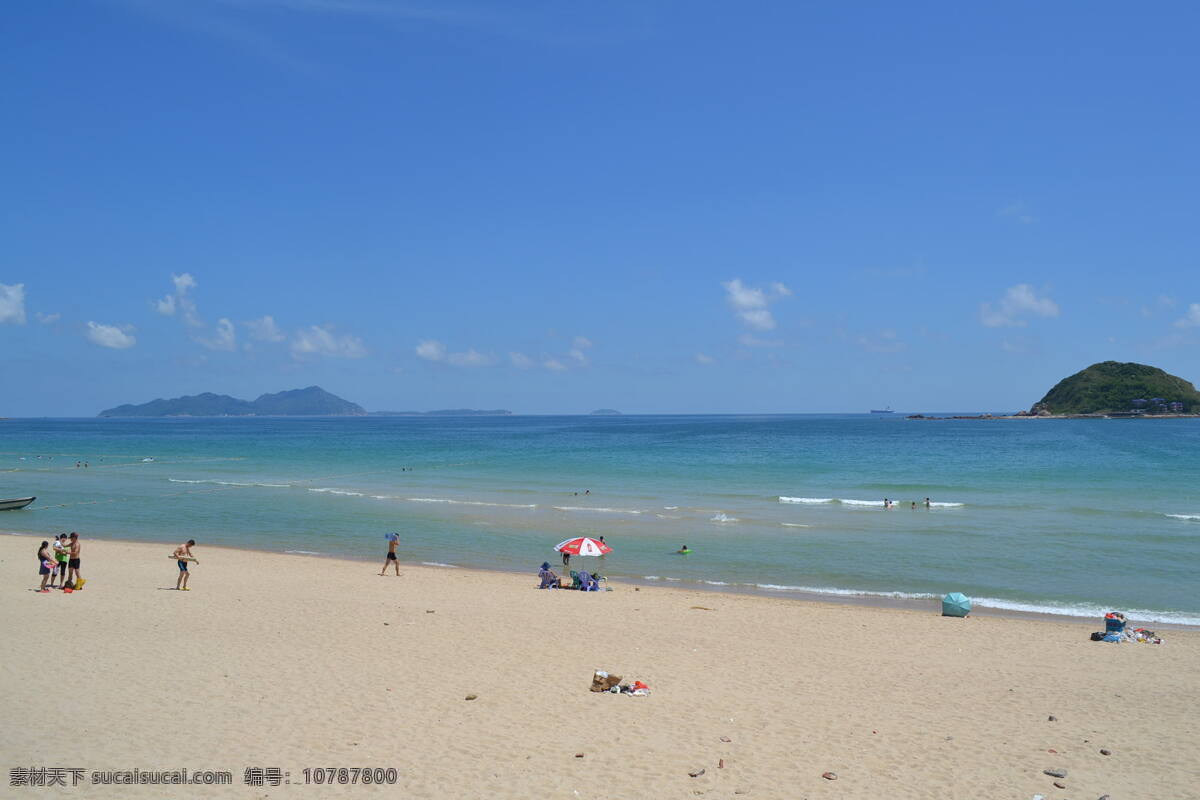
556 207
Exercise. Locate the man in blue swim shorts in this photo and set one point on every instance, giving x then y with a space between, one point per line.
182 555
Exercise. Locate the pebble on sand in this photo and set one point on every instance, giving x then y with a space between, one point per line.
472 696
726 739
1052 718
1055 773
696 773
829 776
1106 752
1060 785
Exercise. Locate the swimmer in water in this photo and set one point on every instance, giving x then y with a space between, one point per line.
683 551
927 502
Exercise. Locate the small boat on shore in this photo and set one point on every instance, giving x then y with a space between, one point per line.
13 505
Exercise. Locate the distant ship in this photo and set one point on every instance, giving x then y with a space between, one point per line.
887 410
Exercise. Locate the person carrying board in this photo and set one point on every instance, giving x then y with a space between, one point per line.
182 555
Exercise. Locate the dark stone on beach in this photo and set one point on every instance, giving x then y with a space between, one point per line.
1103 797
472 696
1055 773
726 739
387 623
747 791
1052 718
829 776
1106 752
696 773
721 763
430 612
1060 785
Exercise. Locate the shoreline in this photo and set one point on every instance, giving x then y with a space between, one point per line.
469 683
924 605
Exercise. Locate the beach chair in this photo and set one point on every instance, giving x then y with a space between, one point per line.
587 583
1113 624
575 584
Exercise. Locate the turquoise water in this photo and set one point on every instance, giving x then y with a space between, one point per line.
1064 516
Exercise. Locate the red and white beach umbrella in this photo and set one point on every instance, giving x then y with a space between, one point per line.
583 546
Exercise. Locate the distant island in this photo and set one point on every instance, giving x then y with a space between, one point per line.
605 412
1112 388
313 401
446 412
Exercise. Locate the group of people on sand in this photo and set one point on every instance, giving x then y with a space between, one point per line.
887 504
60 561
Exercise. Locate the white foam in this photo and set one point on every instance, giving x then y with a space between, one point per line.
1188 517
846 502
945 505
651 577
437 564
234 483
303 552
468 502
774 587
674 579
716 583
806 500
668 516
723 518
794 525
597 509
670 508
338 491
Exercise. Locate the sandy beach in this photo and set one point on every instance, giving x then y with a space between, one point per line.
294 662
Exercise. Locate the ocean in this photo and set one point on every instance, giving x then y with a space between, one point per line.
1068 517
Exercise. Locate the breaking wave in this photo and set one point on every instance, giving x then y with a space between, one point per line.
597 509
469 502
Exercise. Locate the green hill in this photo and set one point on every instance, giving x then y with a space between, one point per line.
1111 386
313 401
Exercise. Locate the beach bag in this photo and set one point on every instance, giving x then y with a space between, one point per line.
79 583
1097 636
69 585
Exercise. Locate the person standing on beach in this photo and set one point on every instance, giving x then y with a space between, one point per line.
182 555
393 540
73 550
60 560
45 566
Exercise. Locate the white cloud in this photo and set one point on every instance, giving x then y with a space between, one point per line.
320 340
225 339
581 343
12 303
886 341
1017 302
554 365
431 350
470 358
179 301
521 361
701 358
264 329
750 303
1191 319
47 319
1017 211
749 340
118 337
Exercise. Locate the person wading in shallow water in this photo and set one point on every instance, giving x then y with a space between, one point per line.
393 540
